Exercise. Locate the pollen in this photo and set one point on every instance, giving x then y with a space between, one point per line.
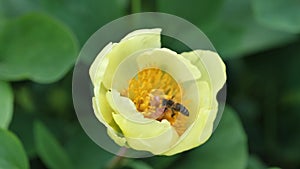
154 82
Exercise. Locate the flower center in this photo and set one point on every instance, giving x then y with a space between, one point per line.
149 89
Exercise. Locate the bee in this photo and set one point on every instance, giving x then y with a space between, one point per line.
170 104
160 104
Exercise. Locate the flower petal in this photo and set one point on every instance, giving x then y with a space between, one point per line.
169 61
216 75
100 64
156 137
112 54
133 42
101 107
202 128
141 133
104 115
191 137
121 141
210 62
125 107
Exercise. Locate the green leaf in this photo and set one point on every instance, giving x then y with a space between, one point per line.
279 14
83 17
255 163
200 13
226 149
2 19
36 47
229 24
49 149
236 33
6 104
91 156
12 154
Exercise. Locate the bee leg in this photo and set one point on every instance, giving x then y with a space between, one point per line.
173 113
165 109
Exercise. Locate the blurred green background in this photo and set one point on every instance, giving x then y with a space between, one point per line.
258 39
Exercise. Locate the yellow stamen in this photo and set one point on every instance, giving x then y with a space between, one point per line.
147 80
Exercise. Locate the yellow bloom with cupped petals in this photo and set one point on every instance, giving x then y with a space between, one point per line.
154 99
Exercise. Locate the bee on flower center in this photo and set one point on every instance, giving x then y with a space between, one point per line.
162 106
175 107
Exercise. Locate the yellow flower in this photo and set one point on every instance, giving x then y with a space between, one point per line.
135 78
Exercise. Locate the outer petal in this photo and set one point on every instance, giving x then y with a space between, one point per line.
217 73
141 133
121 141
112 54
156 137
104 115
99 65
210 62
202 128
102 109
133 42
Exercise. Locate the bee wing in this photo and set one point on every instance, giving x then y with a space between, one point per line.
157 113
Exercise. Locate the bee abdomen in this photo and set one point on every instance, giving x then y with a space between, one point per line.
181 109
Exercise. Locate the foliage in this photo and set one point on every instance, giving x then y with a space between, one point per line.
12 153
259 40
